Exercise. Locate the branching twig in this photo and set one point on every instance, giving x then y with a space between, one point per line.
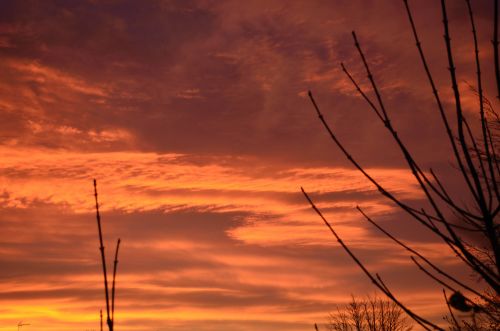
377 281
103 259
110 304
113 284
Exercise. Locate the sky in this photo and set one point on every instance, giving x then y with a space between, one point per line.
193 116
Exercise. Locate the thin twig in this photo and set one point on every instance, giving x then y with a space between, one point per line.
481 103
411 250
431 275
113 284
380 188
419 175
375 280
437 98
458 106
103 259
451 312
455 240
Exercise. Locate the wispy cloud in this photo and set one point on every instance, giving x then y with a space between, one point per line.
203 240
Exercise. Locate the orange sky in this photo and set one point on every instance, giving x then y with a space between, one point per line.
194 119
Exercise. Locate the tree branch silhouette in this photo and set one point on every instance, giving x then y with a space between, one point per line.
110 302
477 165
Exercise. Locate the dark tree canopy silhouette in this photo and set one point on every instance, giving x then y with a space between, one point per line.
454 222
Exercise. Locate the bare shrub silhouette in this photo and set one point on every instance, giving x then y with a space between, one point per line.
454 222
369 314
110 302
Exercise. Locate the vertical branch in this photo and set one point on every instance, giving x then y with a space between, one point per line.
444 118
481 109
458 105
103 259
481 200
113 283
100 311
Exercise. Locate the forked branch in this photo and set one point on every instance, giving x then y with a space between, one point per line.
110 302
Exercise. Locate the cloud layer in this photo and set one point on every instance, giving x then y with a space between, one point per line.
203 239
